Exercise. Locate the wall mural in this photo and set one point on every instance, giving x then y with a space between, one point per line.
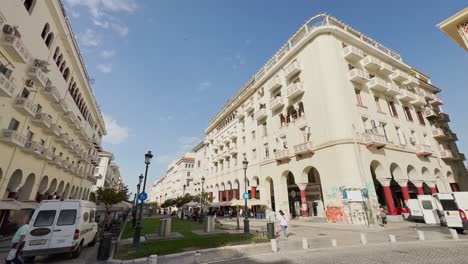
336 214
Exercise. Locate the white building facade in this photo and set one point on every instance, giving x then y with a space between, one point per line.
107 173
332 115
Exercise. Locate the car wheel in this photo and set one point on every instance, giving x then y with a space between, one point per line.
92 243
77 252
29 259
460 230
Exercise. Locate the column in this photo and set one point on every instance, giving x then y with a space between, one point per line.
404 189
454 186
253 192
211 197
419 187
432 186
388 196
220 198
227 195
302 188
234 193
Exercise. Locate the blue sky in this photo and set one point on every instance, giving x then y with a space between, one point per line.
162 69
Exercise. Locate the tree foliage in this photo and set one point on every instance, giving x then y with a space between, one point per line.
109 197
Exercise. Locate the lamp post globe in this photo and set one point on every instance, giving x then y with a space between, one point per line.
245 163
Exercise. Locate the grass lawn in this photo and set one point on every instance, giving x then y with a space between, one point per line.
190 241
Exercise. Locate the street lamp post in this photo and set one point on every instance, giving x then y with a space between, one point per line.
135 203
201 199
136 238
246 215
184 190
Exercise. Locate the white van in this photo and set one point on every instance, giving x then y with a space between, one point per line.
448 211
462 201
61 227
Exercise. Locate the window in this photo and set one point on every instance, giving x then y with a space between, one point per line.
49 39
28 4
45 218
427 205
14 124
188 174
413 139
401 137
264 129
243 140
392 108
267 150
25 93
407 113
253 135
29 135
449 205
358 97
383 125
377 103
420 118
91 216
66 217
85 216
254 153
45 30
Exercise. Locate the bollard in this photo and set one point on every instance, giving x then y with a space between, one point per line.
153 259
334 244
392 238
197 258
421 235
363 239
274 245
305 243
454 234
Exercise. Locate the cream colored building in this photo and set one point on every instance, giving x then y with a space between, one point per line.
456 27
107 173
50 123
332 114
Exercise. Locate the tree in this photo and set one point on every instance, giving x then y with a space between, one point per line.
109 197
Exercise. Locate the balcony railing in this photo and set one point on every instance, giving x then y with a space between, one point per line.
64 138
294 90
429 113
292 69
248 105
16 48
406 96
63 105
385 69
418 100
446 155
56 130
284 154
460 157
300 122
276 103
374 140
423 150
37 74
6 87
49 154
34 147
283 129
52 93
44 120
13 137
452 136
26 106
371 63
58 161
377 84
392 89
303 148
438 133
358 76
274 83
233 150
412 81
435 100
444 117
260 114
352 53
399 76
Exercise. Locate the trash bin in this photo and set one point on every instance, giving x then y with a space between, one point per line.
105 245
271 230
162 227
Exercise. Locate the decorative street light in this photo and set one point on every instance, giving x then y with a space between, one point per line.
246 215
135 202
201 199
136 237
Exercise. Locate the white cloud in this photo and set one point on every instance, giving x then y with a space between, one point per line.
101 23
107 53
204 86
165 159
121 29
105 68
99 7
89 38
187 143
74 14
116 133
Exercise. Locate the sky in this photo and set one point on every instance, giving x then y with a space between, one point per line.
162 69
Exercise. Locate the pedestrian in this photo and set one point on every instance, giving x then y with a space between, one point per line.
18 242
241 213
271 216
383 215
283 219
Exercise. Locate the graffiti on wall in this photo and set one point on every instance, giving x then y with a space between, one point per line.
336 214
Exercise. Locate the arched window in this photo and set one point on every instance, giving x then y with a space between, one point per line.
45 30
62 66
301 109
28 4
49 39
66 74
56 53
59 60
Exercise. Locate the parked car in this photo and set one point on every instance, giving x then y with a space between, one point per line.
61 227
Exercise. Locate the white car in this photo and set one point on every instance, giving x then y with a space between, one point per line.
61 227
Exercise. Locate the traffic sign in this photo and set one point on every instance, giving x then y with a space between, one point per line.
142 196
246 196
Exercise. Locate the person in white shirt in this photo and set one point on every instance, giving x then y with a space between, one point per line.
283 219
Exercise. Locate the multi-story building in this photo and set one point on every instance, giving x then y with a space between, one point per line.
107 173
333 114
156 191
456 27
50 122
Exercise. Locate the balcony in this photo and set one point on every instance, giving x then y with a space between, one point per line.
352 53
300 122
303 148
248 105
64 139
240 115
13 137
423 150
451 136
52 93
406 96
284 154
428 95
438 133
34 147
67 165
16 48
37 74
233 134
435 100
294 90
430 114
70 117
399 76
460 157
26 106
385 69
43 120
94 158
260 114
418 100
49 155
276 103
292 69
63 105
58 161
7 88
56 130
377 84
446 155
392 89
226 154
412 81
274 83
233 150
358 76
374 140
444 117
371 63
283 129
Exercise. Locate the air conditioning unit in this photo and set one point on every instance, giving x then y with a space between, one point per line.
29 83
